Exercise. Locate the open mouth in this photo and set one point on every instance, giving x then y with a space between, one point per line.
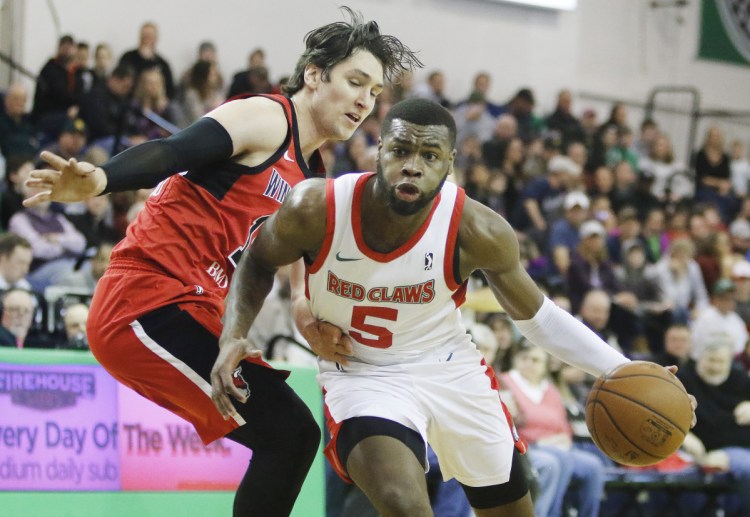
354 118
407 191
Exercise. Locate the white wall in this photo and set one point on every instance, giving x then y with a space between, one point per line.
619 48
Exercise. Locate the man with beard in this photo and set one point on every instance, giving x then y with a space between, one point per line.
387 258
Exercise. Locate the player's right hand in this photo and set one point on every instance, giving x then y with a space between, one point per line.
67 181
231 352
328 342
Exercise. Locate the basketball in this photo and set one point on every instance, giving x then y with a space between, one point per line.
638 413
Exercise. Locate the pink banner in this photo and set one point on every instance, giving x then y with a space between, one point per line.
161 451
58 428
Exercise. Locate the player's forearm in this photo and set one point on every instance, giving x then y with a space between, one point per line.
570 340
144 166
247 292
301 312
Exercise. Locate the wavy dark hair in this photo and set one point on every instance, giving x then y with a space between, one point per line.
330 44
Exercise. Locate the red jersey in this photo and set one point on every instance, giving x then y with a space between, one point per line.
196 224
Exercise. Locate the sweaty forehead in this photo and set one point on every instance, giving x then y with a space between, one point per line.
404 130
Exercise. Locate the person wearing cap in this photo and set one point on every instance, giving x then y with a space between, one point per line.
721 317
72 141
564 235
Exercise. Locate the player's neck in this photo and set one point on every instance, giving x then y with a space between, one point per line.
310 136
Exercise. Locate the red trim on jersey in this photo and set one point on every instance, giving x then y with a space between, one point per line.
330 449
359 189
450 244
325 248
520 443
459 297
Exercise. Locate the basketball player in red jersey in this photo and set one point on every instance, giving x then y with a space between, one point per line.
156 314
387 255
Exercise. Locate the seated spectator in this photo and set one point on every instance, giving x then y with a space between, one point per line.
150 99
563 121
670 183
15 261
55 92
17 132
678 346
565 234
521 107
474 119
433 89
720 317
88 275
720 439
74 320
256 81
97 222
55 242
679 278
203 92
595 312
543 423
72 143
18 306
627 233
11 199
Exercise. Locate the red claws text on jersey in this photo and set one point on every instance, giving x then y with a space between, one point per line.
417 293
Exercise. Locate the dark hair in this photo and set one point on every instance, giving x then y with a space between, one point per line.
123 71
198 78
423 112
67 39
330 44
10 241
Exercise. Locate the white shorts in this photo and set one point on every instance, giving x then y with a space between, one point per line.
449 398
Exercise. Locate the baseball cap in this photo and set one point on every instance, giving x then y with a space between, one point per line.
740 228
723 286
591 228
576 198
75 126
564 164
741 269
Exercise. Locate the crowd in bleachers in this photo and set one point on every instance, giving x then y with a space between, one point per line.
652 254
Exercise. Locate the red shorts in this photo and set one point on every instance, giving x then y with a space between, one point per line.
160 338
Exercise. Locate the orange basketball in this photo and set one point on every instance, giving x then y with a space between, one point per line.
638 413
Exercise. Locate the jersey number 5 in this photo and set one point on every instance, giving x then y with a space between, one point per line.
384 337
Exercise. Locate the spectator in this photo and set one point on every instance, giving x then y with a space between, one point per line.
246 81
87 276
720 439
473 119
55 242
72 141
595 312
150 99
97 222
503 329
493 150
713 175
720 317
739 168
106 110
433 89
482 85
55 92
83 73
543 423
628 232
15 261
565 234
102 63
564 122
679 278
74 321
521 107
649 132
203 91
678 346
670 184
17 132
145 57
17 317
11 199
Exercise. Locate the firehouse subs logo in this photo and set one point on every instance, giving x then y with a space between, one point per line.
416 293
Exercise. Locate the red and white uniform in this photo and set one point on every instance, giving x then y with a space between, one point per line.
182 249
413 361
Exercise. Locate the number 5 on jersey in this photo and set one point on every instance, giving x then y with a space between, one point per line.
360 314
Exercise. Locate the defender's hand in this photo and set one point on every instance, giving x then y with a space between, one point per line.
328 342
68 181
222 380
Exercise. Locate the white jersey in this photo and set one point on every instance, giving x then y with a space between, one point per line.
397 307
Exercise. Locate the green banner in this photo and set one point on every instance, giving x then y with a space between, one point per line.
725 31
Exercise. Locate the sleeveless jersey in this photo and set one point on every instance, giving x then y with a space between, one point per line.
195 225
397 306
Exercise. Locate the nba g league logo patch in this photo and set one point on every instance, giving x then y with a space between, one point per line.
427 261
735 17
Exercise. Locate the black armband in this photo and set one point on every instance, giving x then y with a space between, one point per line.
144 166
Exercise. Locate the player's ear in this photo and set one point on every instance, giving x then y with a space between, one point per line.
312 76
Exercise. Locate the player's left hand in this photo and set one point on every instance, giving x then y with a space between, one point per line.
328 342
693 402
231 352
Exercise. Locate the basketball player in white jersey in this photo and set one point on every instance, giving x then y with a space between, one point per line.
387 258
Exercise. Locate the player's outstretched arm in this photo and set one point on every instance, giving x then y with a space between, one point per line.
252 128
296 229
488 242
